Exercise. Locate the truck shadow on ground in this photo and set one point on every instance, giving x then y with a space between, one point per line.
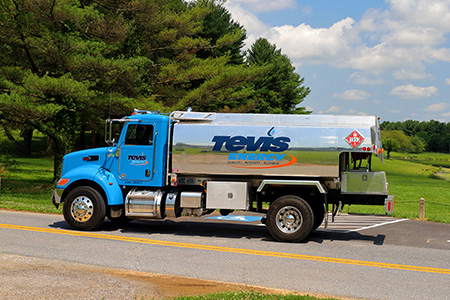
227 230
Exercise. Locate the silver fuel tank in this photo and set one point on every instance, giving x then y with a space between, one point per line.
268 145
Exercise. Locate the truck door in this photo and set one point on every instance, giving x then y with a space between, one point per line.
137 153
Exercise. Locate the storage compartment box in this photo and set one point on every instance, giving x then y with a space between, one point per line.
227 195
364 183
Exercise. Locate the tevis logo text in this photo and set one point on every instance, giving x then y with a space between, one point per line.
138 160
137 157
250 143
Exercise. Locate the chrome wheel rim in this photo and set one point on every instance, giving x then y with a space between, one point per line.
82 209
289 219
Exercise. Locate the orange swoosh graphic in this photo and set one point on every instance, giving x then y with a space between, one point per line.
146 162
293 161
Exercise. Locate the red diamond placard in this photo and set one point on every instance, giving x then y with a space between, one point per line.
354 139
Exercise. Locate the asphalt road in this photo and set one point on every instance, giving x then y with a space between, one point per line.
382 259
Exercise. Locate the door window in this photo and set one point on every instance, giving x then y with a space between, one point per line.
139 135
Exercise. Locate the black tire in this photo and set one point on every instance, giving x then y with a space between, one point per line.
319 216
84 208
290 219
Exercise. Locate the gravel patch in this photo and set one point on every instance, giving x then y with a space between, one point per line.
24 277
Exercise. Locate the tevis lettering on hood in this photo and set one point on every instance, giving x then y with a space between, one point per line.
250 143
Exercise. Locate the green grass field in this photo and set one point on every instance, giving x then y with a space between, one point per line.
26 185
409 181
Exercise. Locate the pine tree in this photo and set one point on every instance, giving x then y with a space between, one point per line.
280 90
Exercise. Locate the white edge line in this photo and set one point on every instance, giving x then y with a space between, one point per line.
381 224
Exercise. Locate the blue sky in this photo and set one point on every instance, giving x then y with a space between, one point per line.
389 58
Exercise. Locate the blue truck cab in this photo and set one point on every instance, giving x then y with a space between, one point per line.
94 182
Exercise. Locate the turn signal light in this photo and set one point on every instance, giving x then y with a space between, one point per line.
63 181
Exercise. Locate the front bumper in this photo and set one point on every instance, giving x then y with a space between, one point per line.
56 197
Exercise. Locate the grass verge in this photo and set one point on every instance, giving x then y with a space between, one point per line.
249 296
26 184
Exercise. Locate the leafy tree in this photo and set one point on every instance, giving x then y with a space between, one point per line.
403 141
411 127
432 126
434 142
418 144
390 144
280 90
432 136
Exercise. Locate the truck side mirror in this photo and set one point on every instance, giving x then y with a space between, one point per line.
111 142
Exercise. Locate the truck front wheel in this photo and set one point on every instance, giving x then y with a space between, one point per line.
84 208
290 219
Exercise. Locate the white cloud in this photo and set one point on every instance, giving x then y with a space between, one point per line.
334 109
407 32
395 111
447 81
447 114
304 42
430 13
353 112
352 95
441 54
410 91
400 33
365 78
437 107
384 56
406 74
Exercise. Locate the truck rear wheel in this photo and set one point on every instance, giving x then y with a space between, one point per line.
319 215
84 208
290 219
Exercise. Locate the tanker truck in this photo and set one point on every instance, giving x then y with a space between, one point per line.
289 168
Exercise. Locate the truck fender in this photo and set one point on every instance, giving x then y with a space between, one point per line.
311 183
102 178
305 183
109 184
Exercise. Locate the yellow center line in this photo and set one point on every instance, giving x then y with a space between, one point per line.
228 249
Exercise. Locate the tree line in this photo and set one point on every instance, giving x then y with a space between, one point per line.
66 65
415 136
